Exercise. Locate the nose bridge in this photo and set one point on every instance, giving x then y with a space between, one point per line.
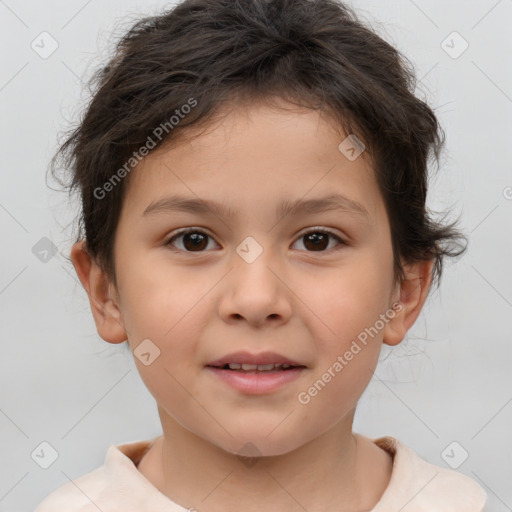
252 263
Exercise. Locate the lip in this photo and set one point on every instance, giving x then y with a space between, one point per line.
252 358
257 383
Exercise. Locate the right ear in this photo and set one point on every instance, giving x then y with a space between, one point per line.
101 293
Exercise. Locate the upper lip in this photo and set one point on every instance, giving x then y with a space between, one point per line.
252 358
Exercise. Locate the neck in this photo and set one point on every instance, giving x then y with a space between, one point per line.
337 471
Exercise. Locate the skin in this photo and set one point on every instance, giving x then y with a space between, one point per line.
308 305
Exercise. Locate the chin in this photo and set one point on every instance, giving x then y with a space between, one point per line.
257 444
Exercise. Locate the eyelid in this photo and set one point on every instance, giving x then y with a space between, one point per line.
191 229
324 229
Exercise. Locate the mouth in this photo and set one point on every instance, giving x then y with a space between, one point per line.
255 374
257 368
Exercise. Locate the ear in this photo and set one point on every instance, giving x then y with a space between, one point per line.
101 293
409 299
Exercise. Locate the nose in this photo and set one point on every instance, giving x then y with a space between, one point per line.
256 292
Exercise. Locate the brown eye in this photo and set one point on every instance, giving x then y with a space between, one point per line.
318 240
191 241
195 241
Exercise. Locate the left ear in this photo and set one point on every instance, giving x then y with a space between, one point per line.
409 300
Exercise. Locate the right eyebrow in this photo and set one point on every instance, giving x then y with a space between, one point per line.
190 205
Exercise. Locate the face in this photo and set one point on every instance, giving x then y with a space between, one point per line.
250 281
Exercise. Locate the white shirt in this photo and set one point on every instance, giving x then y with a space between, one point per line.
118 486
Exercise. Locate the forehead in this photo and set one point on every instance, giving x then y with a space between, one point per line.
256 154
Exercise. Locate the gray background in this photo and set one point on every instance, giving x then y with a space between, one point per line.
449 381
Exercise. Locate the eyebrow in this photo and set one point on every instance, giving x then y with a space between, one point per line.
332 202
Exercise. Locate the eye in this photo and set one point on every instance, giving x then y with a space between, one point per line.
194 240
317 239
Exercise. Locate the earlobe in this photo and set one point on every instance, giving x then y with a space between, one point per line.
101 293
412 294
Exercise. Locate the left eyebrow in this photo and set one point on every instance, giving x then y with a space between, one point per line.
331 202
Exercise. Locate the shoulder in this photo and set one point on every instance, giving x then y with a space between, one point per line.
116 483
77 495
418 486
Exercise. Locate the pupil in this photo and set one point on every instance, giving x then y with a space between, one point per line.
318 240
198 240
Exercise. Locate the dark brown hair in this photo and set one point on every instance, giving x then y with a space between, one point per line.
207 54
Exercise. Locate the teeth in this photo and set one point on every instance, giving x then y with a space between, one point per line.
265 367
259 367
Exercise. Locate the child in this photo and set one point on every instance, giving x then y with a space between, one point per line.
253 177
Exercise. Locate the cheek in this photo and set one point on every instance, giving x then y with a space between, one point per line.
175 366
169 316
351 298
160 302
350 305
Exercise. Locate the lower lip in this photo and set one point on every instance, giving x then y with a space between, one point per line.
258 383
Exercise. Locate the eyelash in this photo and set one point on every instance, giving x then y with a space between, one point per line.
322 230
